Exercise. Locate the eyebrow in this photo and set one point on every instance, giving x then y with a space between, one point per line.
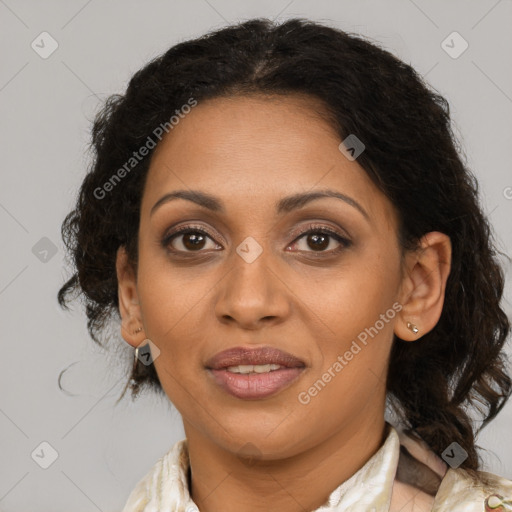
284 205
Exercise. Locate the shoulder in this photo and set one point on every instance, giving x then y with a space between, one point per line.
460 491
168 472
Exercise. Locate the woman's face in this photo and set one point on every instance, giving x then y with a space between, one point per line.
245 276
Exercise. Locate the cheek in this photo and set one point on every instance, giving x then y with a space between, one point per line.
170 304
171 312
359 314
352 298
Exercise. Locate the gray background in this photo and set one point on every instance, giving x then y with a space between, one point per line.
46 109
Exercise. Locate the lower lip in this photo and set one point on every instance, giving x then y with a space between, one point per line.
252 386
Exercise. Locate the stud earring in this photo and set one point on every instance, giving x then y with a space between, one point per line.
412 327
137 330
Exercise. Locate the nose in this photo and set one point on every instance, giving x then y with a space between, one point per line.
252 293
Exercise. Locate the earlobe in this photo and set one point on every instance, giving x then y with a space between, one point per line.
132 329
407 330
423 289
412 327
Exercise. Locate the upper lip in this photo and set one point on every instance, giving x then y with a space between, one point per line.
260 355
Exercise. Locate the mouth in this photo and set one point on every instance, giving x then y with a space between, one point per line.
254 373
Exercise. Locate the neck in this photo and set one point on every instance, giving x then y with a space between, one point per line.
220 480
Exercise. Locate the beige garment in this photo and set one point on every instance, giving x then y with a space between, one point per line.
402 476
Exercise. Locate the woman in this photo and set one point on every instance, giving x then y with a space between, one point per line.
280 218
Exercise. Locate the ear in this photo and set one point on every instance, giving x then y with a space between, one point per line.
423 286
132 328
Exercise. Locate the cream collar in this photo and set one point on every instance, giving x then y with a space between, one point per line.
403 475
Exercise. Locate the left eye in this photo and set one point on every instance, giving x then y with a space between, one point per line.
193 239
320 238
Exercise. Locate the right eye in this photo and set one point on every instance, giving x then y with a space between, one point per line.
192 239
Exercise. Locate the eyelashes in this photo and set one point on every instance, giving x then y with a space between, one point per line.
325 233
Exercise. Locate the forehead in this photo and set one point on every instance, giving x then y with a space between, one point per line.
238 124
257 149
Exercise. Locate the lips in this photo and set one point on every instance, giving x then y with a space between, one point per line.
253 356
254 385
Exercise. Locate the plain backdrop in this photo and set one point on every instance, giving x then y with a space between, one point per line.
100 451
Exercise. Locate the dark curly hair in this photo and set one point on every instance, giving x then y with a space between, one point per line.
411 155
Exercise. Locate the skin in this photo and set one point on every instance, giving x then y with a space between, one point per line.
250 152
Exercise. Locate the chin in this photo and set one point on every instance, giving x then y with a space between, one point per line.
255 442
